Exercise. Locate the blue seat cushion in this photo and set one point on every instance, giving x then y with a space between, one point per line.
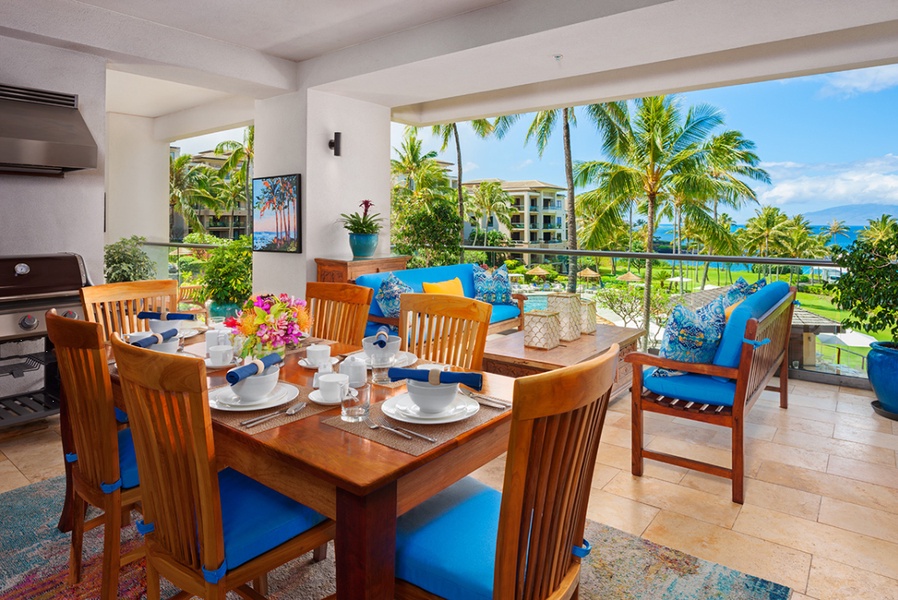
753 307
503 312
127 461
447 545
120 415
689 386
255 518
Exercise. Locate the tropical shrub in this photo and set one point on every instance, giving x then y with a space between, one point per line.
868 289
126 260
430 234
229 272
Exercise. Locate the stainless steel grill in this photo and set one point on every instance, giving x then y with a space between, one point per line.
29 287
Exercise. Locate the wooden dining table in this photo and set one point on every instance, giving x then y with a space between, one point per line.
361 484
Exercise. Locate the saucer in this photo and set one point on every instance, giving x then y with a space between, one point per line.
305 363
315 396
403 358
186 333
227 365
468 408
410 409
224 398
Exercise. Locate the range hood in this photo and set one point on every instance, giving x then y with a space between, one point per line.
42 133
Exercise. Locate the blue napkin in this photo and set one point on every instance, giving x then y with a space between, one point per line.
472 380
150 340
239 373
382 336
172 316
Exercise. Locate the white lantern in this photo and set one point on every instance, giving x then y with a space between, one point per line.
541 329
567 306
587 316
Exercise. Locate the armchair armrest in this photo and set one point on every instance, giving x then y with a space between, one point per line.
394 321
643 358
520 299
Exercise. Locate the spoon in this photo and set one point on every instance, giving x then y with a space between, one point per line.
285 411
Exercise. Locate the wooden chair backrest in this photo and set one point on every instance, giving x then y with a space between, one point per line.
166 397
115 305
84 370
339 311
445 329
556 424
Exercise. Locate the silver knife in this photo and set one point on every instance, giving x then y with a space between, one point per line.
416 434
284 411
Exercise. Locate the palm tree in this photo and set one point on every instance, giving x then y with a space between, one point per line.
765 233
835 229
540 129
879 230
417 177
490 199
190 187
483 128
799 242
239 165
654 153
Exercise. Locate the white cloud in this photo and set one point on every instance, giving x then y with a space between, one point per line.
523 164
869 181
860 81
470 166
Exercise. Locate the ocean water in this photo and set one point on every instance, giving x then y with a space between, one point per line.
666 233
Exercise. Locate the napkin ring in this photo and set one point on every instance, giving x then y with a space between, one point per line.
260 366
159 338
433 377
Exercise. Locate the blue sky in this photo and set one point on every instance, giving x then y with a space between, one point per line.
826 140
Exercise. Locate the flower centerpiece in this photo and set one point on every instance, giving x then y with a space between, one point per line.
363 229
269 323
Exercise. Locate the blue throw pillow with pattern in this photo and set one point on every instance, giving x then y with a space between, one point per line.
494 287
741 290
387 295
692 336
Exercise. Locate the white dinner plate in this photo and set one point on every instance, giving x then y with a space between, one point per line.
315 396
223 398
403 359
304 362
227 365
186 333
460 408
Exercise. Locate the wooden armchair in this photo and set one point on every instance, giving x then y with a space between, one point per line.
192 299
339 311
444 328
104 470
471 541
753 349
210 531
115 305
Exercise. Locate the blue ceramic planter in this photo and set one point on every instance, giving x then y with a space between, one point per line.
362 244
882 370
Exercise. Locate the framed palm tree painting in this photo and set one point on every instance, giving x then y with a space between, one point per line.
276 214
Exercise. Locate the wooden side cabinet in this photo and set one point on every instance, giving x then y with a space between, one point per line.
345 271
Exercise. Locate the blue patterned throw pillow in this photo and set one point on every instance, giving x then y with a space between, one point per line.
741 290
387 296
692 336
494 287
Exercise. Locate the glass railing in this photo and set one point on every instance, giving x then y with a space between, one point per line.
182 262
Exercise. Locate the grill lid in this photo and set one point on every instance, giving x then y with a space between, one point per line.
41 275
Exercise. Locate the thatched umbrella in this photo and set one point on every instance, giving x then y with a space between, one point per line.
538 271
587 273
629 277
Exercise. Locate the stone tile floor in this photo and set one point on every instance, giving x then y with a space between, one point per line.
821 504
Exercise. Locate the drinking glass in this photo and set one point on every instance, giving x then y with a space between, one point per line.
354 407
380 368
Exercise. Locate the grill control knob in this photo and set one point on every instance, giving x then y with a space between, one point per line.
22 269
28 322
70 314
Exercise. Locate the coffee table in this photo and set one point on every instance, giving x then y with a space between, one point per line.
507 355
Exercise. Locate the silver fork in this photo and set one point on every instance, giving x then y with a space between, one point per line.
284 411
371 424
485 400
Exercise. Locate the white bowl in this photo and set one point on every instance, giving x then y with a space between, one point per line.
159 326
431 398
170 346
256 387
390 349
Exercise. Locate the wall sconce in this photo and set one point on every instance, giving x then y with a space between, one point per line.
334 144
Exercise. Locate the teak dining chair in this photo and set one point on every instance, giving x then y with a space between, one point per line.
192 297
471 541
445 329
104 470
207 531
339 311
115 305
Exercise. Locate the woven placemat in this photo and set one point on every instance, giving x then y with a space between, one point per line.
233 418
416 446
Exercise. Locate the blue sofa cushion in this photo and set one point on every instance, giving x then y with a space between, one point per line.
447 545
693 336
492 287
753 307
127 461
255 518
689 386
387 295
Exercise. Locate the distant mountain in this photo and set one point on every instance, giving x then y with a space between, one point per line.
852 214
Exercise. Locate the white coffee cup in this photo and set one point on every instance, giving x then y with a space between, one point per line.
334 386
317 354
221 355
216 337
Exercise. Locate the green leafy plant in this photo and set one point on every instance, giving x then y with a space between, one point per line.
868 289
125 260
229 272
429 234
362 222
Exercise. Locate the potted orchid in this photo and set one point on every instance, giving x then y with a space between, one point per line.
269 323
363 229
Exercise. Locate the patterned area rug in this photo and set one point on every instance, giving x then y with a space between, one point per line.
34 563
